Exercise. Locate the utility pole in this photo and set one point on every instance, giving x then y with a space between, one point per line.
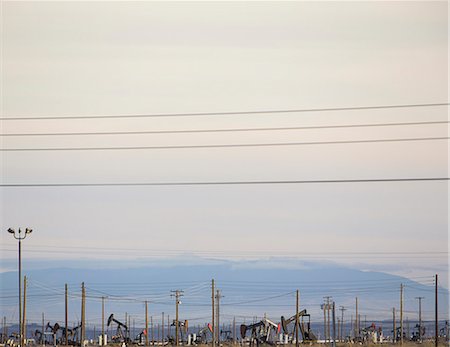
103 321
334 325
296 318
401 314
234 329
177 294
146 323
43 327
213 315
83 317
218 297
436 326
152 331
339 329
162 327
342 308
394 328
324 323
66 304
24 321
420 316
356 320
328 318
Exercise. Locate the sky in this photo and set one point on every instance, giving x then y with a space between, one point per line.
127 58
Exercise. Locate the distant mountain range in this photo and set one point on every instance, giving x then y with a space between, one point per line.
249 289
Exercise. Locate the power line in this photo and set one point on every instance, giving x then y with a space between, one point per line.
264 251
197 114
212 183
221 145
226 130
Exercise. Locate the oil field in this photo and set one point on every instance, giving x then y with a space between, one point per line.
224 173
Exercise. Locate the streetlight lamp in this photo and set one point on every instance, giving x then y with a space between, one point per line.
19 236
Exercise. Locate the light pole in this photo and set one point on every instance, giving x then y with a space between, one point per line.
19 236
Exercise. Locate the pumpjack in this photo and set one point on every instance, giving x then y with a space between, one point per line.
54 330
119 336
39 336
140 338
260 332
201 337
182 328
305 327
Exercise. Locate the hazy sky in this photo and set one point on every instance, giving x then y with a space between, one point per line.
115 58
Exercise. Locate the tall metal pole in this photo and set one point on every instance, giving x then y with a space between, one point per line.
19 237
24 319
436 322
20 291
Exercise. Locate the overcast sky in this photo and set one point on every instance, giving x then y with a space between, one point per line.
112 58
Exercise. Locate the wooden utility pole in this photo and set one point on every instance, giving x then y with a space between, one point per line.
436 318
176 294
83 317
420 316
162 325
218 296
334 325
328 319
66 304
43 327
324 323
234 329
146 323
297 343
394 328
213 326
103 321
401 313
24 318
342 308
151 328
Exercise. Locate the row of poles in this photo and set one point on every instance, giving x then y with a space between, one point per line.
216 295
215 298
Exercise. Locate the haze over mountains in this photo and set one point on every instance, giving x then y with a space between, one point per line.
249 289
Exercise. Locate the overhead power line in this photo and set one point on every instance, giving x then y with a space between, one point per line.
231 113
217 183
189 131
220 145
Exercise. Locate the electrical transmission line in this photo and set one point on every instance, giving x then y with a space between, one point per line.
218 183
231 113
190 131
30 149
